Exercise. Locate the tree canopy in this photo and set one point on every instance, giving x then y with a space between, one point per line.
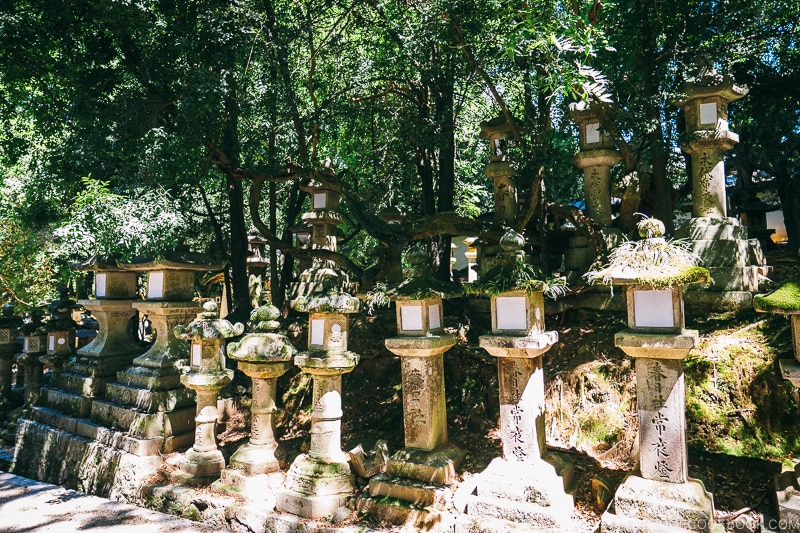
132 126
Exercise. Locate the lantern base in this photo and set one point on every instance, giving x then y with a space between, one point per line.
259 488
431 466
198 468
314 489
645 505
534 493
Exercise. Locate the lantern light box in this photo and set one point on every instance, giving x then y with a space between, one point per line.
419 317
197 354
708 113
655 308
155 285
592 133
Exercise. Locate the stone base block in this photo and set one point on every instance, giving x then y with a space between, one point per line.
152 379
93 386
259 487
431 466
308 505
412 491
790 370
535 516
49 454
709 228
150 400
485 524
722 253
202 467
718 301
92 366
402 513
314 489
251 459
71 404
546 483
735 278
787 495
644 505
141 424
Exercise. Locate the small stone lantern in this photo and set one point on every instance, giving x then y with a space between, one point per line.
33 346
207 375
320 481
9 346
264 355
60 330
324 215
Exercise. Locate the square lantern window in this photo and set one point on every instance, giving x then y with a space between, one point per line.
320 200
592 132
708 114
170 285
58 342
659 309
328 332
115 285
418 318
518 313
7 336
32 344
197 355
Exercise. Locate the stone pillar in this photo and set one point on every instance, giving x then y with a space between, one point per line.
320 481
264 356
503 493
207 375
9 346
662 494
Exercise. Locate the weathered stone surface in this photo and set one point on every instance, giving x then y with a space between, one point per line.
437 466
68 403
256 487
369 463
722 253
410 491
520 512
711 229
424 409
83 464
140 424
150 400
400 513
680 506
545 482
723 300
112 337
787 495
508 346
656 345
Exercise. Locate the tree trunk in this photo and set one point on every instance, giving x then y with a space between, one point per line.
447 156
789 193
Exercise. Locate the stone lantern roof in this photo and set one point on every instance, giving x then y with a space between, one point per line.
175 260
208 326
102 263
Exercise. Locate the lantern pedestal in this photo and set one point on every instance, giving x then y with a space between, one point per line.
254 471
28 359
320 481
661 494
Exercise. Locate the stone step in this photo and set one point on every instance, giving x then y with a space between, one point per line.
486 524
151 401
546 483
410 490
160 379
71 404
142 424
552 518
612 523
685 505
402 513
81 384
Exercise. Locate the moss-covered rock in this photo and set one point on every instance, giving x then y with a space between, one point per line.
785 299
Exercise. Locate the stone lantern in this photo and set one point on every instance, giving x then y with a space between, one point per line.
421 471
500 135
9 346
392 258
206 376
661 492
302 240
320 481
33 346
324 215
60 329
264 355
151 387
785 300
518 340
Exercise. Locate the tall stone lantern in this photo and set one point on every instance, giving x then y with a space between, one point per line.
661 493
264 355
785 300
420 472
9 346
518 340
206 376
60 327
320 481
33 346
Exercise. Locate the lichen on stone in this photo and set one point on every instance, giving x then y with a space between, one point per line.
784 299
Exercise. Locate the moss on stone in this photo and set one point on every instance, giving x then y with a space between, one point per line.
784 299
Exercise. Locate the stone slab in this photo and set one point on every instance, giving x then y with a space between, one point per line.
119 440
547 518
708 228
154 379
718 301
656 345
53 419
685 506
409 490
403 514
546 483
720 253
259 487
142 424
83 385
71 404
437 466
309 506
55 456
488 524
150 401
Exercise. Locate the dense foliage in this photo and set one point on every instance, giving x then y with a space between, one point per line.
130 126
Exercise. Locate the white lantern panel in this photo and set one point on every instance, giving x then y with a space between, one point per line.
434 320
100 285
653 309
708 113
411 318
593 133
51 342
155 285
318 332
511 312
25 345
320 200
197 354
